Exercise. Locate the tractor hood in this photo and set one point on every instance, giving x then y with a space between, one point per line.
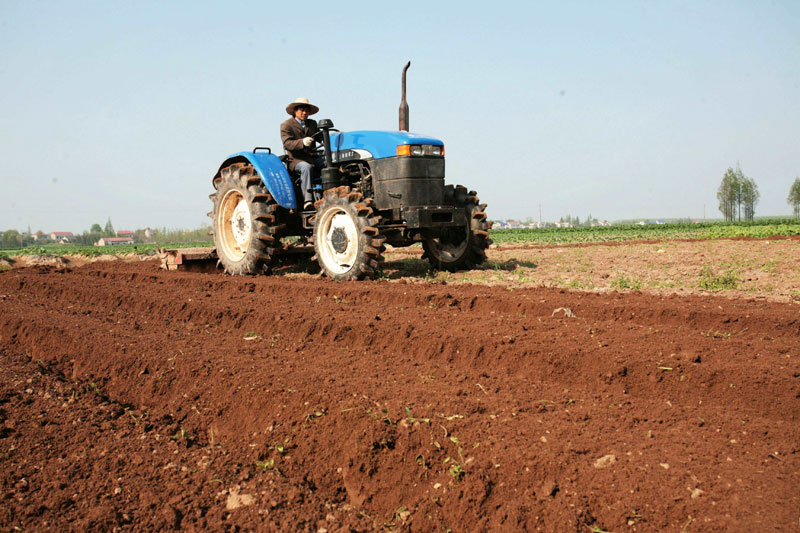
374 144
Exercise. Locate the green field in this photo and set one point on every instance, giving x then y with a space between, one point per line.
708 230
93 251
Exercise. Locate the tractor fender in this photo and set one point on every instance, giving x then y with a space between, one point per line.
272 172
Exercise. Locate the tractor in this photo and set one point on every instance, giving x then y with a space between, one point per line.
377 188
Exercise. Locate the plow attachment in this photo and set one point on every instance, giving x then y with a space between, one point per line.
189 259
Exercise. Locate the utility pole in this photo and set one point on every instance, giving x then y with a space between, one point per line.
540 215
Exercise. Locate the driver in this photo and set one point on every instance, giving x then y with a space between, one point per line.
296 136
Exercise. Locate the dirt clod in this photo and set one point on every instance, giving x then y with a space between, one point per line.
605 461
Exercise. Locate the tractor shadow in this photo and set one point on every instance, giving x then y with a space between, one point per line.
395 268
421 269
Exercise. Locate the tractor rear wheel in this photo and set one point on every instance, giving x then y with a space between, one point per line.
245 228
347 242
463 247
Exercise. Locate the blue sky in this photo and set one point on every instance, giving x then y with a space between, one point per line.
618 109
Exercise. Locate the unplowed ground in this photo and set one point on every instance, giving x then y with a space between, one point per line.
138 399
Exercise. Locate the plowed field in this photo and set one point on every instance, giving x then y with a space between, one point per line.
137 399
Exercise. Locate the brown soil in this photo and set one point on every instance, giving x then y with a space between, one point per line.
139 399
767 269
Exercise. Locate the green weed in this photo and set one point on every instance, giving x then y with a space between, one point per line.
266 465
711 281
456 471
182 435
623 282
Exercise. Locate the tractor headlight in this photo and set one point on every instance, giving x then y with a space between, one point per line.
420 150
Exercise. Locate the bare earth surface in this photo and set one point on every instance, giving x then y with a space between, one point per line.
138 399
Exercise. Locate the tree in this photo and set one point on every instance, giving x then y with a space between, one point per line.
728 193
749 197
97 228
11 239
109 229
736 193
794 197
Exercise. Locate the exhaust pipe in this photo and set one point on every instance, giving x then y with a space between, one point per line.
403 104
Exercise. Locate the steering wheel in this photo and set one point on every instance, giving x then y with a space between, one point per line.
317 136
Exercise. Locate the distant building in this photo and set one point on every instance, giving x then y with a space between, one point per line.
62 237
149 233
114 241
124 233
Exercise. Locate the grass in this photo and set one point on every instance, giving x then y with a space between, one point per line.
623 282
711 281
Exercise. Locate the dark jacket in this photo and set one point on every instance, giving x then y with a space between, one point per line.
292 138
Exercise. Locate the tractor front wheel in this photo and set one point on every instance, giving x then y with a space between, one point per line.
347 242
458 248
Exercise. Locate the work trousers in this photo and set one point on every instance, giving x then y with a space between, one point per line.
307 176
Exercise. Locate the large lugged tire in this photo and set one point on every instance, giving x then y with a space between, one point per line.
347 242
244 223
460 248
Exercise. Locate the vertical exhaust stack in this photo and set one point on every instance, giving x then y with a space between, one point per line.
403 104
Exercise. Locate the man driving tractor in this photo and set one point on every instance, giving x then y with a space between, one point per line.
297 137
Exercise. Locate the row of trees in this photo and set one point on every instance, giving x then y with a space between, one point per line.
576 221
14 239
738 195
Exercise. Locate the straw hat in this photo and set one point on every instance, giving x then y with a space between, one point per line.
301 101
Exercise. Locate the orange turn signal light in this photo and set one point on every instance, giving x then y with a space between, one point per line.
403 149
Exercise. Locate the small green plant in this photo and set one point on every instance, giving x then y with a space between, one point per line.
281 448
711 281
182 435
456 471
316 414
623 282
401 514
771 266
266 465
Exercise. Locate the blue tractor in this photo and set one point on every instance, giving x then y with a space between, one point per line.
377 188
